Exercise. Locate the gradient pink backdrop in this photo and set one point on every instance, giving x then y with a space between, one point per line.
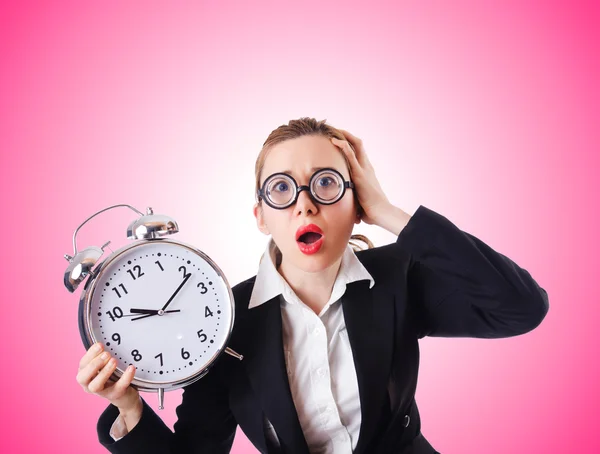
486 112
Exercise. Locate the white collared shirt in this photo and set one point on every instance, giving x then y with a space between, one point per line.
318 357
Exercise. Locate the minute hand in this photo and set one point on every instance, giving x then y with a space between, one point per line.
177 291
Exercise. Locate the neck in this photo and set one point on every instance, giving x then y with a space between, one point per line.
313 288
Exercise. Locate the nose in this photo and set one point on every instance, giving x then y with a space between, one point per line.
305 203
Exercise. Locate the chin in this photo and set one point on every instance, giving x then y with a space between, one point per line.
316 262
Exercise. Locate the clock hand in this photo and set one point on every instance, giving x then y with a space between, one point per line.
177 291
149 311
139 318
151 314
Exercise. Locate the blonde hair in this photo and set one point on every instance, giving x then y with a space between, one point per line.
297 128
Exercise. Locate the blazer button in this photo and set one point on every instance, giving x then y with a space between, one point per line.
406 420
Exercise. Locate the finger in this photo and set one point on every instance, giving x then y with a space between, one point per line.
120 386
359 148
91 353
352 137
98 383
85 375
345 146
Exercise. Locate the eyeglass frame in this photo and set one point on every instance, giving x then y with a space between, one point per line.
299 188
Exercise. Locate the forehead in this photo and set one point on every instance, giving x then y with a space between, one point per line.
301 155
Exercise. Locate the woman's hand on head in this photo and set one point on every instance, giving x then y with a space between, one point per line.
371 197
95 370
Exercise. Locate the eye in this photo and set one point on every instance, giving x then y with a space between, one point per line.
280 186
325 181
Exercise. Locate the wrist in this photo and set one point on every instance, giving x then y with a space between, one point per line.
134 407
392 219
132 415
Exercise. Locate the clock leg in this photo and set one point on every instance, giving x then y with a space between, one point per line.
233 353
161 398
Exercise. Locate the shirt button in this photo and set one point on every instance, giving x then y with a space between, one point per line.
321 372
406 420
341 437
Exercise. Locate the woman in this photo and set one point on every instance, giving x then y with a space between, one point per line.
329 335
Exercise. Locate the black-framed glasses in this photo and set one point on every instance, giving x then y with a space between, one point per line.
326 186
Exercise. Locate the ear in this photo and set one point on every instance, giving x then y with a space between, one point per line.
260 220
358 217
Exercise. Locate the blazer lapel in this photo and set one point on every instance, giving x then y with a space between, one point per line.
266 369
369 316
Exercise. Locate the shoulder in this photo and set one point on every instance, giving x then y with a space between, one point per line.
242 291
384 262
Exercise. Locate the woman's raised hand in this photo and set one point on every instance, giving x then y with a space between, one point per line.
95 369
370 195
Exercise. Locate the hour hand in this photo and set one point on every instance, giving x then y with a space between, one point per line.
143 311
148 313
151 311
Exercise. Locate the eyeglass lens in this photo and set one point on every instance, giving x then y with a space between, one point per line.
326 186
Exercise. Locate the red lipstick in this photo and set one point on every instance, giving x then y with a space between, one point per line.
309 238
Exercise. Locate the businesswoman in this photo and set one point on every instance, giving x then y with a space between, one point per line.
329 334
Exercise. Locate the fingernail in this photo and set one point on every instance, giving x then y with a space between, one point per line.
97 347
104 355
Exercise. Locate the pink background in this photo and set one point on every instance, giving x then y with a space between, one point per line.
486 114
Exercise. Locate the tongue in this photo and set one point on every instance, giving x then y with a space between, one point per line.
309 237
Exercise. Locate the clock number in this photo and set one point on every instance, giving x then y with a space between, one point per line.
159 265
117 338
207 312
139 272
136 355
115 313
159 356
117 291
184 354
204 289
185 274
203 337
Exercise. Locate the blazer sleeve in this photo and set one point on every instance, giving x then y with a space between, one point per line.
204 423
460 287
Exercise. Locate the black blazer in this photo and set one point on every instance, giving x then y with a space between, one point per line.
435 280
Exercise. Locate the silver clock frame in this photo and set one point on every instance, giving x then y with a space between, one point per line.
147 229
91 285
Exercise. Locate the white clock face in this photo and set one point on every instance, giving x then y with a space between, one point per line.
131 293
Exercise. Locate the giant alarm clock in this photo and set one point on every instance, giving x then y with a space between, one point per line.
157 303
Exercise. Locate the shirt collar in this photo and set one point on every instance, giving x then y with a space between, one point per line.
269 283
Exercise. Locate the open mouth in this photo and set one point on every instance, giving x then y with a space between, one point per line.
309 237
